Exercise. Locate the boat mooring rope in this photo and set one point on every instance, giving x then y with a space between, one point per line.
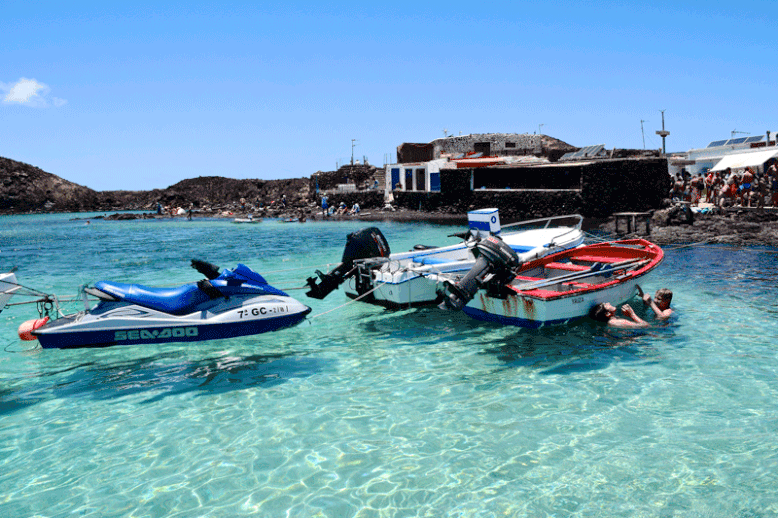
9 345
597 238
347 303
690 245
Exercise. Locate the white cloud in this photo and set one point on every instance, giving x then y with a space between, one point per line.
29 92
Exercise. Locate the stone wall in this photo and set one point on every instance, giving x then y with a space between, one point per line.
626 185
407 153
501 144
603 187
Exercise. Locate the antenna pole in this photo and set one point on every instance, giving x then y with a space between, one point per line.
643 133
663 133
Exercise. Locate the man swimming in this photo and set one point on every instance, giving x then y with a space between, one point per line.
606 312
660 304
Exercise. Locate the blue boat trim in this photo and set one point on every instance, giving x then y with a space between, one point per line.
513 321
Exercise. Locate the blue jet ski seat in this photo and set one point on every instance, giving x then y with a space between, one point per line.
184 299
176 301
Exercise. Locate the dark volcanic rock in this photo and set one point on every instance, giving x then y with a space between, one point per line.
25 188
744 228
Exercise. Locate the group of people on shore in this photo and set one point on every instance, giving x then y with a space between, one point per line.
729 188
342 209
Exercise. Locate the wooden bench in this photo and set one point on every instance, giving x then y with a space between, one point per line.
577 285
631 219
529 279
598 259
570 267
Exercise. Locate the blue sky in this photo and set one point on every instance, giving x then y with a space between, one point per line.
142 95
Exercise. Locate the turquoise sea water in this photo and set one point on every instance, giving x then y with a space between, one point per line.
367 412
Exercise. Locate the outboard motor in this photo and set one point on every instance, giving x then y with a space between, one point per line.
363 244
495 258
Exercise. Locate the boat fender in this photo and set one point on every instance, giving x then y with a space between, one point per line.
27 328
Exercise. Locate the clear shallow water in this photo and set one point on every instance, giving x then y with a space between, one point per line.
367 412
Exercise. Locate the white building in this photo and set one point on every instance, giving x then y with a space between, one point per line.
417 176
734 153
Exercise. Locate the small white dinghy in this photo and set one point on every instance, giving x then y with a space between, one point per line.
247 219
377 276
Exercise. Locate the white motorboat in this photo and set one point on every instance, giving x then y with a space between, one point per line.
376 276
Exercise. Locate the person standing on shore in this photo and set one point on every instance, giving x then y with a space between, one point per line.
772 178
746 186
709 178
697 183
324 205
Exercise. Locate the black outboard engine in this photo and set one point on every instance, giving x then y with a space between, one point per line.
363 244
493 257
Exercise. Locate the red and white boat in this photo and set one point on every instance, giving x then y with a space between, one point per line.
555 289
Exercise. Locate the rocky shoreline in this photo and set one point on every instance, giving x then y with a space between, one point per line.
671 226
28 189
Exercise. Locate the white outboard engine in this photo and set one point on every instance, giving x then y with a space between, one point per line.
496 260
363 244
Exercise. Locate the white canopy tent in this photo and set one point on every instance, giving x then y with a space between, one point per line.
741 160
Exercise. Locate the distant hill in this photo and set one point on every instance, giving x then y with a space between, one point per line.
25 188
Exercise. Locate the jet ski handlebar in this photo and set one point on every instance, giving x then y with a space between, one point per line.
211 271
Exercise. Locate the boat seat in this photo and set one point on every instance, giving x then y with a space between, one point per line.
577 285
599 259
537 292
525 278
568 266
177 301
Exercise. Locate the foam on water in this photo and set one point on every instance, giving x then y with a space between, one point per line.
368 412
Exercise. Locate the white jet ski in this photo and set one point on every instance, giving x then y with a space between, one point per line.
232 303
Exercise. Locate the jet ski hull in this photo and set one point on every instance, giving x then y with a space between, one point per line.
119 323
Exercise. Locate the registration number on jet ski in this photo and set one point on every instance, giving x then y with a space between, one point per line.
255 312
